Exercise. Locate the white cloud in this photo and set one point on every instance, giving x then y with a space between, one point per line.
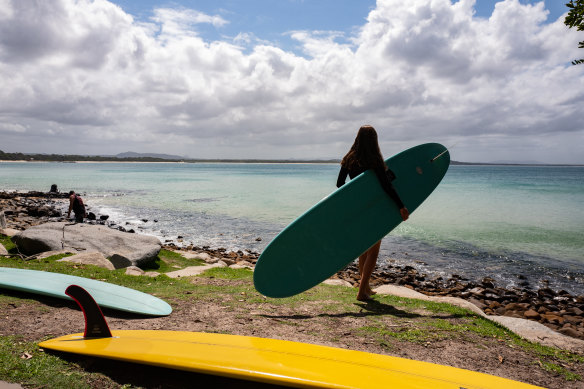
418 70
176 23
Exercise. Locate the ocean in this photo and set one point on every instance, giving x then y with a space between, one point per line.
511 223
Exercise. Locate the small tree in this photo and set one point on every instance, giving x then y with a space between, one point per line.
575 18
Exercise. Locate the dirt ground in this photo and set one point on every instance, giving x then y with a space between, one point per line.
39 318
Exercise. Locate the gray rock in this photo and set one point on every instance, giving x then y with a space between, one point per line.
46 254
194 270
3 250
9 231
123 249
120 261
134 271
90 258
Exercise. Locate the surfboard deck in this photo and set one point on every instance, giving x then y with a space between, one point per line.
274 361
345 224
106 294
271 361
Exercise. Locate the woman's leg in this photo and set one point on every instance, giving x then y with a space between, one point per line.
362 260
369 261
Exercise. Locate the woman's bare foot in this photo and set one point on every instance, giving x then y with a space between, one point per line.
363 297
370 292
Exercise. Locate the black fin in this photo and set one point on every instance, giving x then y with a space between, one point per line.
95 324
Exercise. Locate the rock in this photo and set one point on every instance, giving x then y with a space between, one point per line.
134 271
570 331
120 261
238 266
90 258
244 264
531 314
228 261
47 254
553 318
477 303
3 250
477 291
193 270
198 255
9 231
576 311
337 282
121 248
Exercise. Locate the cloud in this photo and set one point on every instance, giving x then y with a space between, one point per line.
418 71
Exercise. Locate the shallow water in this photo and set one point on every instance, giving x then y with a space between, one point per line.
496 221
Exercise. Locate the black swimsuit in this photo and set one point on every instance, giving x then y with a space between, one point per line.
382 176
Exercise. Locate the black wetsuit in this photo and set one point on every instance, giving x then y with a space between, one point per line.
382 176
79 209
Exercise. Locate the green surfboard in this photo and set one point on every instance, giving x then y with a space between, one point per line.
345 224
107 295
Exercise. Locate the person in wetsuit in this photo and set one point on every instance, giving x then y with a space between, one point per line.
364 155
76 205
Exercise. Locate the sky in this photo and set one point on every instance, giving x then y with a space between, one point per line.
291 79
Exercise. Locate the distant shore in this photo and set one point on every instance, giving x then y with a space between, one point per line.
258 161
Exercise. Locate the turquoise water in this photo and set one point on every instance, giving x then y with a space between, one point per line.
496 221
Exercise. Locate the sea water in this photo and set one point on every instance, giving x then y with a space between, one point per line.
511 223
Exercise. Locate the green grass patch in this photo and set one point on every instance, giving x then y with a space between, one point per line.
560 370
160 286
228 273
168 261
7 243
25 363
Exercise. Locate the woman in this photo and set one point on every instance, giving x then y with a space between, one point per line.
364 155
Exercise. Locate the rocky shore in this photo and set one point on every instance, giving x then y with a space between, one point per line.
558 310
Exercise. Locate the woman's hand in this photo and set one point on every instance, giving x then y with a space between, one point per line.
405 214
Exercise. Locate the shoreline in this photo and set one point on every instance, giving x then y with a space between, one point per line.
278 161
558 310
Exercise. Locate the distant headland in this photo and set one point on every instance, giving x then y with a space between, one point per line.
153 157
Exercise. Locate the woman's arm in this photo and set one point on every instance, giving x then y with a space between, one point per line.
342 176
390 190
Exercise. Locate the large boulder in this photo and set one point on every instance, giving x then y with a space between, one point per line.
129 249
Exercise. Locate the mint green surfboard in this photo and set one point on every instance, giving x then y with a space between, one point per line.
345 224
105 294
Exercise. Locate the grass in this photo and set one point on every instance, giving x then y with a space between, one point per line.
161 286
7 243
23 362
559 370
168 261
385 320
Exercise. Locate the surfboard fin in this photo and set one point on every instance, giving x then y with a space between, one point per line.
95 324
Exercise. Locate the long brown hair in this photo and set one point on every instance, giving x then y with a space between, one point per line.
365 153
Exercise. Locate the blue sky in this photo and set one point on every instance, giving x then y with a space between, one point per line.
273 19
291 78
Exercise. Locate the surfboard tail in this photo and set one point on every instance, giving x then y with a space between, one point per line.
95 323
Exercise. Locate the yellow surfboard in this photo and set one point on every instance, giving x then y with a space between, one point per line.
275 361
263 360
